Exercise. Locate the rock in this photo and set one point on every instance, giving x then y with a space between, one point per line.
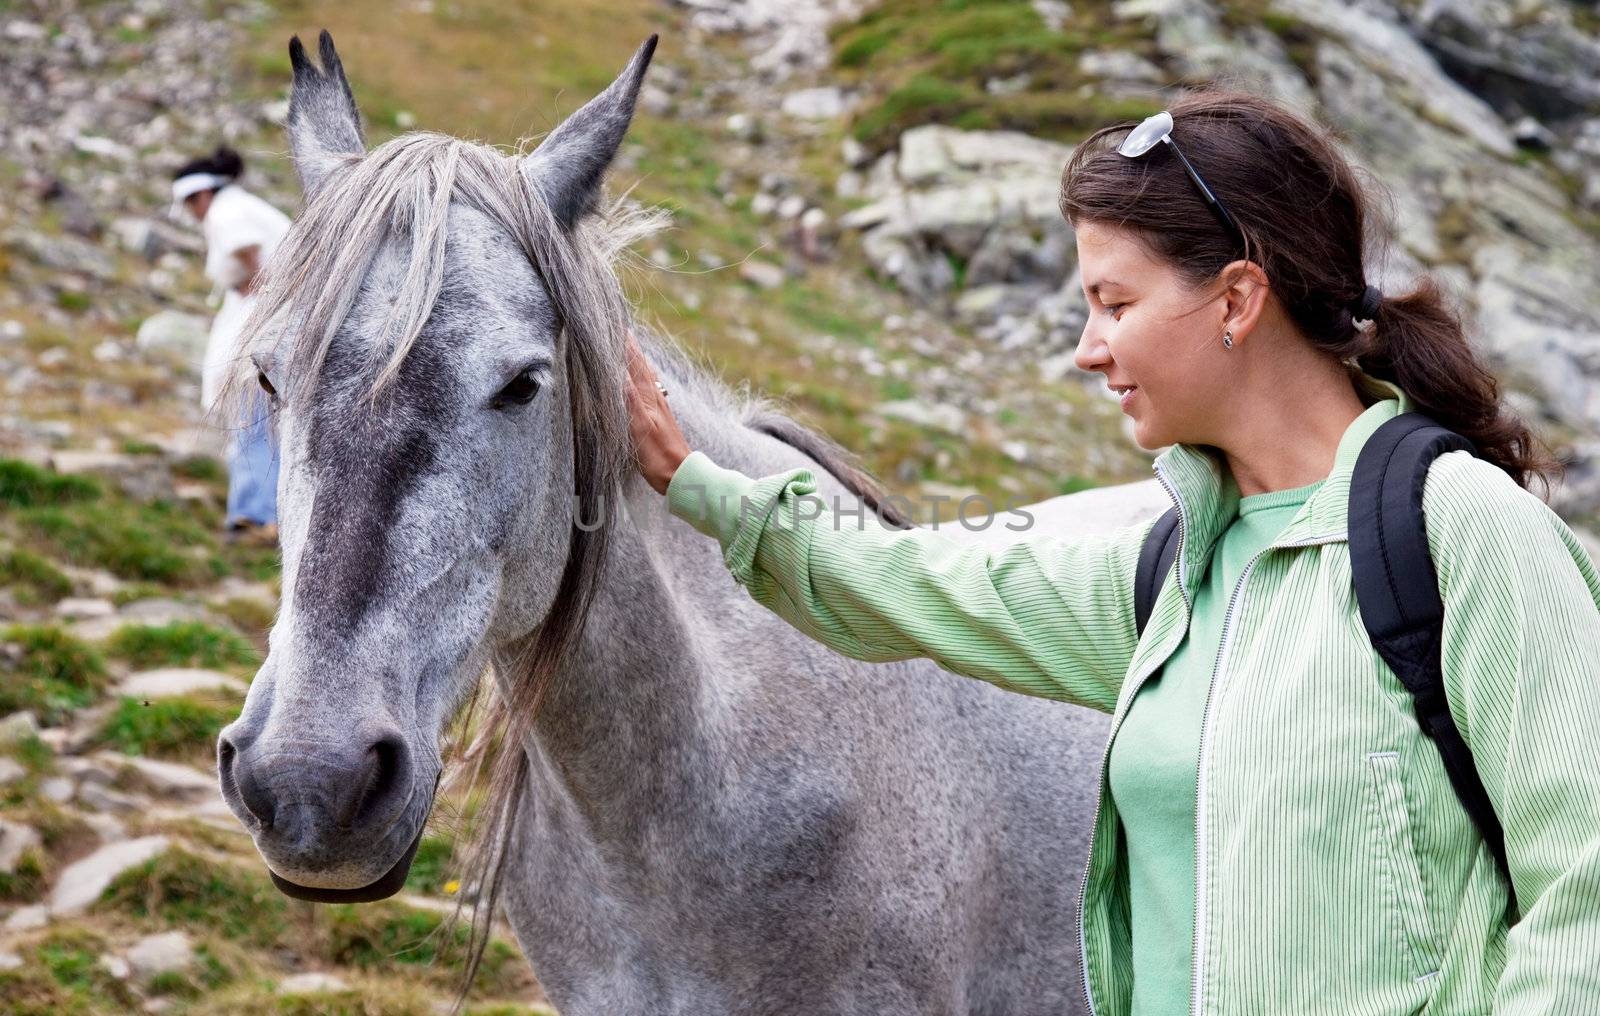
108 828
57 789
947 418
1118 65
1517 57
64 253
10 961
11 771
173 681
310 983
82 882
105 148
104 799
824 103
948 194
86 461
1413 77
163 779
158 610
1054 13
29 918
1532 135
75 608
854 153
160 954
762 274
169 329
18 727
744 127
116 966
16 839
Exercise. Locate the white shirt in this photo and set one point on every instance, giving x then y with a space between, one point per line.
237 219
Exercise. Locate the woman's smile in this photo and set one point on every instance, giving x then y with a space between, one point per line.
1124 394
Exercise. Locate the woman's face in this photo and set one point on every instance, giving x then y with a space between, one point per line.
198 204
1157 340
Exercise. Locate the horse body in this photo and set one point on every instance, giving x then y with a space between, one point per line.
727 818
697 810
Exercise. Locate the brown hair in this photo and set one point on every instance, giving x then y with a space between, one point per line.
1303 216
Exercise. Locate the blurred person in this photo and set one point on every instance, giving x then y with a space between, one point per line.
241 231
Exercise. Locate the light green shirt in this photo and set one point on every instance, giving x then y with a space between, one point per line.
1154 759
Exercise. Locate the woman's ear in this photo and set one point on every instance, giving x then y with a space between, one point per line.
1245 294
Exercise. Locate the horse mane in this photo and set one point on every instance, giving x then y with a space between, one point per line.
844 465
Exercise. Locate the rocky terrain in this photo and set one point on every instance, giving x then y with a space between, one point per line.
864 224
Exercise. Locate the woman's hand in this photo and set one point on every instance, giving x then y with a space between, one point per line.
658 444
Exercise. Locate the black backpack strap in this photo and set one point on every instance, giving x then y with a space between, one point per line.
1155 560
1397 590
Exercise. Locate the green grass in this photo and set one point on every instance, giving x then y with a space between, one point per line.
157 542
24 485
180 890
52 675
26 882
430 870
180 727
181 644
32 579
37 759
379 936
201 467
61 976
930 63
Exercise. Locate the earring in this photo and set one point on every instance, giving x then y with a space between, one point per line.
1227 340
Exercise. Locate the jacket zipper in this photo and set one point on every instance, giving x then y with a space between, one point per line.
1094 822
1197 982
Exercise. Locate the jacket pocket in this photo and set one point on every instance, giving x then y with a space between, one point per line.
1397 858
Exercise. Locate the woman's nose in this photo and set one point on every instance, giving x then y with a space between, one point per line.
1092 353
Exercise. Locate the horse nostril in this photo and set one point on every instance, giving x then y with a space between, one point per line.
236 772
379 777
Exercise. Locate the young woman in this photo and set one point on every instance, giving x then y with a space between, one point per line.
241 231
1275 834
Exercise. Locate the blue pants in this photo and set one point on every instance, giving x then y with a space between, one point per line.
253 470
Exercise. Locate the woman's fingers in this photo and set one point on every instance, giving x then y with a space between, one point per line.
658 444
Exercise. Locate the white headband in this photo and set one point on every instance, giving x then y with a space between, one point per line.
194 183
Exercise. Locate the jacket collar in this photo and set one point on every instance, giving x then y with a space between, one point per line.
1200 484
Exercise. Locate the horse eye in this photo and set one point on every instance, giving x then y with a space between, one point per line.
520 391
266 386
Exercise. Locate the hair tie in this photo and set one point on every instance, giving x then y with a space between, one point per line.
1366 307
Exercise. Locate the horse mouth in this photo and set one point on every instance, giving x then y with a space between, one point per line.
389 883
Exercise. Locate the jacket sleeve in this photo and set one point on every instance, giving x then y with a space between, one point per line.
1045 616
1521 632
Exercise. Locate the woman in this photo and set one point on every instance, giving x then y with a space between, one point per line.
241 231
1275 833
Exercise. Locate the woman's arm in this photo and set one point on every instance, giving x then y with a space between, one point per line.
1521 641
1045 616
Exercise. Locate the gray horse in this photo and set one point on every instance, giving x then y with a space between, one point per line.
698 810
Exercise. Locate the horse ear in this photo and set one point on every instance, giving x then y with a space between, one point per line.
324 125
569 164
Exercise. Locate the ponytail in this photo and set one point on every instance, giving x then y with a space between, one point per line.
1417 342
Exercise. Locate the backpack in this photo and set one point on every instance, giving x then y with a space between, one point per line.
1396 587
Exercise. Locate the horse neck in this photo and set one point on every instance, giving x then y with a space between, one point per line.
631 709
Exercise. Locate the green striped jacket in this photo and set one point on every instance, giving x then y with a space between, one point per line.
1336 872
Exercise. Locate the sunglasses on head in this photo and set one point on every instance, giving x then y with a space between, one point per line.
1157 129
